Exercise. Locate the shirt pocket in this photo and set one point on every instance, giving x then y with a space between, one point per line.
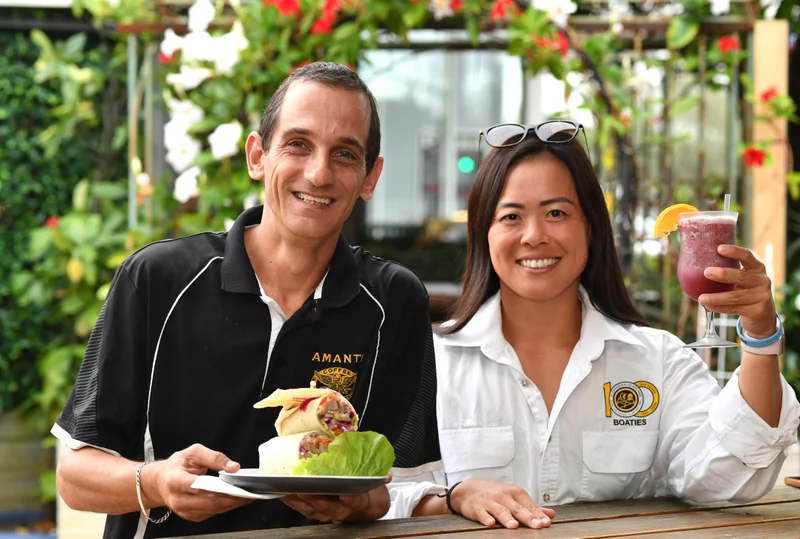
482 452
616 464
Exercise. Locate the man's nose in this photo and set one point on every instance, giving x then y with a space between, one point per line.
319 172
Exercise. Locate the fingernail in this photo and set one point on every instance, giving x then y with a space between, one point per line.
701 299
511 522
230 464
488 522
545 521
536 522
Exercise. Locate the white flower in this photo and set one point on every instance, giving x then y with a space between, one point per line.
143 179
558 10
228 48
440 9
199 46
181 153
722 79
770 8
188 77
225 139
200 15
645 77
720 7
171 43
175 131
617 28
112 3
184 111
797 302
186 185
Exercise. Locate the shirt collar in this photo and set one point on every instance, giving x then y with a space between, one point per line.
485 330
341 282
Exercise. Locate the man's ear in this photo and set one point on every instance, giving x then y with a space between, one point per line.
368 188
254 154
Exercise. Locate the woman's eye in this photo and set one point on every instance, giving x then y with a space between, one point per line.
556 213
510 217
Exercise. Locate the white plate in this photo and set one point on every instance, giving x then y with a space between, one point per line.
251 480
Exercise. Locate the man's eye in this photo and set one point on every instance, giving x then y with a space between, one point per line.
297 144
345 154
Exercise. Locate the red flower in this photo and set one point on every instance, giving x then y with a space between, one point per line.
52 221
324 25
561 44
285 7
769 94
298 66
728 44
753 157
166 59
501 9
455 5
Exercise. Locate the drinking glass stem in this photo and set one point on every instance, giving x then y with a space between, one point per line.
711 332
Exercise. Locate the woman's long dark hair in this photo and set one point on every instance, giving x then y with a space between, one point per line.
601 277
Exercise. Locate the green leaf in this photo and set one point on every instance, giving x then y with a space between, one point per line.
80 196
683 105
73 48
41 240
681 32
362 454
109 191
43 42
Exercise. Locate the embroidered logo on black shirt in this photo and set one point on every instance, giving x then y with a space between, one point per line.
339 379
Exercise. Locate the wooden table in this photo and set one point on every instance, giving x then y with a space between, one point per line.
775 516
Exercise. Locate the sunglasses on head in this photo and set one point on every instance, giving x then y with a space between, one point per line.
553 132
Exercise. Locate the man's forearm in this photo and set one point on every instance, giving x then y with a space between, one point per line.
90 480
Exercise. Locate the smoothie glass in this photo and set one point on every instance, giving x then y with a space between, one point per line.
701 234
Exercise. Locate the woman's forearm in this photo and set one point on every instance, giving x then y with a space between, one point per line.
760 385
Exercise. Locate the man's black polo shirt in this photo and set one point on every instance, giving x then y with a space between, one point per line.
179 353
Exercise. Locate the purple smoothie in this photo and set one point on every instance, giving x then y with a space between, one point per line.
701 234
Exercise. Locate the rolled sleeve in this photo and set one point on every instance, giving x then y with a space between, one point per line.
406 492
747 436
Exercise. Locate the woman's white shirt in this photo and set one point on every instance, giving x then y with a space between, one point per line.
636 415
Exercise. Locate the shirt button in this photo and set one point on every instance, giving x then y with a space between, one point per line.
524 383
546 497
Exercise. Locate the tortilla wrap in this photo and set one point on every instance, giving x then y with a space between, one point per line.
311 409
279 455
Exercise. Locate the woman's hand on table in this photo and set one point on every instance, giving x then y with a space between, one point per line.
492 502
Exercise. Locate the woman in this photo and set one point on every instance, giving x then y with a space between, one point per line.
552 387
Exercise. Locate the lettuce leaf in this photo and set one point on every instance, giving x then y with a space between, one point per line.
363 454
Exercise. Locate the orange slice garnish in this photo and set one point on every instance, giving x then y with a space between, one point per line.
667 220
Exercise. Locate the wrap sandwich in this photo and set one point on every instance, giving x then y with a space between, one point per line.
311 409
280 455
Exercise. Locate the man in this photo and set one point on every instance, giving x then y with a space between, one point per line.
196 330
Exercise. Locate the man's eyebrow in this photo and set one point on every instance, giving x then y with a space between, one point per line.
302 131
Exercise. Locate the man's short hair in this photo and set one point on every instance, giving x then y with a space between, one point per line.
334 76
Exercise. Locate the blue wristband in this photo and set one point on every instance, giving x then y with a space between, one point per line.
760 343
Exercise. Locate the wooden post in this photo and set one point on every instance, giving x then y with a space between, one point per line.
767 209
